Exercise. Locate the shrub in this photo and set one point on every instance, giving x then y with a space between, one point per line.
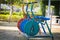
4 12
14 18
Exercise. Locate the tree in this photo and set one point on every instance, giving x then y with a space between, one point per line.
11 3
1 1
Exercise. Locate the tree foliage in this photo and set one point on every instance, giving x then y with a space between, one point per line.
2 1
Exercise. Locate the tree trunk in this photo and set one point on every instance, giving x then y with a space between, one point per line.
11 11
0 7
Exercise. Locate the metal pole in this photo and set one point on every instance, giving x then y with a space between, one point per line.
50 14
48 7
50 20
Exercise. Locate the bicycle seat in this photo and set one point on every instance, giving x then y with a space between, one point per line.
42 17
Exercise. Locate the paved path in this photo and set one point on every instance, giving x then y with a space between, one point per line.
11 33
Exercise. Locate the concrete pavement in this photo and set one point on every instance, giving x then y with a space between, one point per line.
11 32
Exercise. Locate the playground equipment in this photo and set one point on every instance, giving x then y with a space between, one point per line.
30 26
18 23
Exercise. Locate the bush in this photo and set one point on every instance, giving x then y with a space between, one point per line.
4 17
14 18
4 12
14 13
